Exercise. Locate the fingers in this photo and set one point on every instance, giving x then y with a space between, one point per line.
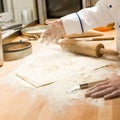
102 92
97 90
49 40
51 22
46 41
99 84
48 36
114 94
104 89
54 32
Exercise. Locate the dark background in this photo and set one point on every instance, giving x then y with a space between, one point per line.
59 8
1 6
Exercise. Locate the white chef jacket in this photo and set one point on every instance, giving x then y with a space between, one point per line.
103 13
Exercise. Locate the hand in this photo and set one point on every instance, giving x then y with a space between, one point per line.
108 89
54 32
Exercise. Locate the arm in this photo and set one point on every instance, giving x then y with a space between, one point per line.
87 18
79 22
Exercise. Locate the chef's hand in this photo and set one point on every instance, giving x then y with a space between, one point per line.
108 89
54 32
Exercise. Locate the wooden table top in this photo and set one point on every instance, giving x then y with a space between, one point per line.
19 101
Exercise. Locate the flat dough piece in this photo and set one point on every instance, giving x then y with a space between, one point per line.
51 65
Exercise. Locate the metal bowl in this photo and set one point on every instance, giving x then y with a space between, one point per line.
34 31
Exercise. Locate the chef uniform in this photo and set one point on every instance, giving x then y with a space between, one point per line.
103 13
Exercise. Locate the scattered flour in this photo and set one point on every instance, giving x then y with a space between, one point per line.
65 70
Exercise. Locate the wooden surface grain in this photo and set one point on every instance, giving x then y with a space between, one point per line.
20 101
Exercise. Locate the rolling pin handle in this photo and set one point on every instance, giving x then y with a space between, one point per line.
108 52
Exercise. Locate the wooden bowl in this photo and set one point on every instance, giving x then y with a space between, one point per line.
16 50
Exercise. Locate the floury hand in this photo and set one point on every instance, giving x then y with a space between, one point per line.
54 32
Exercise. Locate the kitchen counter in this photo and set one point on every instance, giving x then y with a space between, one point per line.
21 101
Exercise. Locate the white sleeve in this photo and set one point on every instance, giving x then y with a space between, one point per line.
87 18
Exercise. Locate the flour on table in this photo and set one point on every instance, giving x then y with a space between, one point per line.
65 70
50 65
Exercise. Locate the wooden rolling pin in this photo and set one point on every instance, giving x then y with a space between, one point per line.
88 48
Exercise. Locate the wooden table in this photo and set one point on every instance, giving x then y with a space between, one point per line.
19 101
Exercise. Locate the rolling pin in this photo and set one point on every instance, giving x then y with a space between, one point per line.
88 48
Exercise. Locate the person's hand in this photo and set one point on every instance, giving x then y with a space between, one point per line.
108 89
54 32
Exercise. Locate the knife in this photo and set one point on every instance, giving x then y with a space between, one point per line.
84 85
